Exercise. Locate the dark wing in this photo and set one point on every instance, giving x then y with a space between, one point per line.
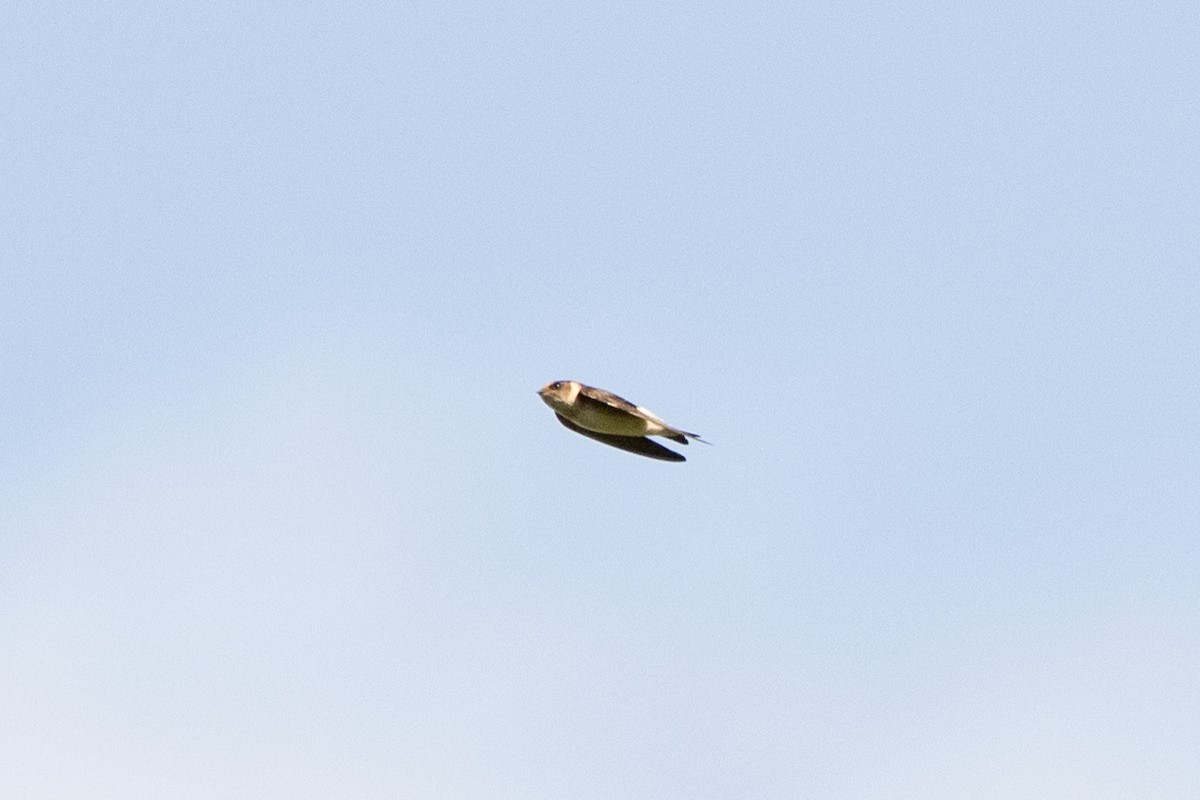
633 444
590 394
609 399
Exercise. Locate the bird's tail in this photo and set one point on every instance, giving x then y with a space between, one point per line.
682 437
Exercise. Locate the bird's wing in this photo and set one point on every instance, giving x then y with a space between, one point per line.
591 394
621 404
633 444
609 399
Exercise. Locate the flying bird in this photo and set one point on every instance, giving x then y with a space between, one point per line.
613 420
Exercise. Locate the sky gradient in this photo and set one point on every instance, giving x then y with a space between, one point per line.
281 515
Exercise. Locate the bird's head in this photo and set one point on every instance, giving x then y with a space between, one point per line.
559 394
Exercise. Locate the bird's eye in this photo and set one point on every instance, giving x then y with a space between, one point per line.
556 385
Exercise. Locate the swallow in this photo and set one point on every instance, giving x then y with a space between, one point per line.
613 420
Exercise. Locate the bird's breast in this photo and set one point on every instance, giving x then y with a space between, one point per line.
605 419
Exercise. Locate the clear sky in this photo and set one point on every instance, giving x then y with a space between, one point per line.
281 515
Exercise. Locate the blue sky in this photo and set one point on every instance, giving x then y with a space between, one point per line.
281 516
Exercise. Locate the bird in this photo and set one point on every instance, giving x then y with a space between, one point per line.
613 420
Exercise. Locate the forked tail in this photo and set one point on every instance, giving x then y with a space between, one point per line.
682 437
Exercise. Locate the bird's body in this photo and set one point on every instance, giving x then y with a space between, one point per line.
611 419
